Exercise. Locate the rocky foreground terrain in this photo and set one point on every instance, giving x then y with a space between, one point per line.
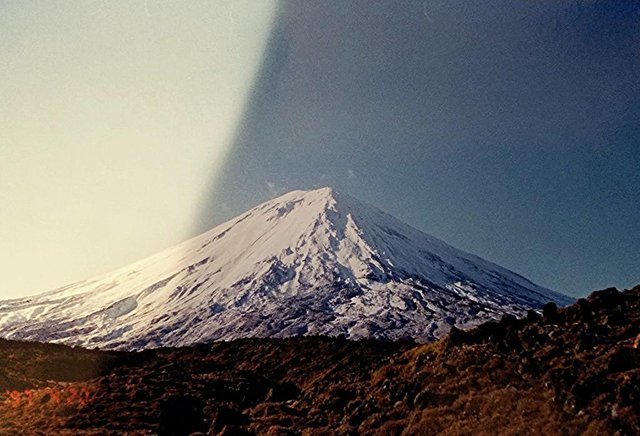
569 371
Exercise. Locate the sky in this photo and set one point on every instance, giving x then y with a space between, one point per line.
114 115
509 130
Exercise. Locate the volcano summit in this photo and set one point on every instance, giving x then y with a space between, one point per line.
307 263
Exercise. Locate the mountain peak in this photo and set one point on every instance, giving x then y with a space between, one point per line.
306 196
326 191
306 263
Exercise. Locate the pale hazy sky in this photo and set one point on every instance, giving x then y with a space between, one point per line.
114 116
510 129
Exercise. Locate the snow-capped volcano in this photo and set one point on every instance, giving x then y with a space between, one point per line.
307 263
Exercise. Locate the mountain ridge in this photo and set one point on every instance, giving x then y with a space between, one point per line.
306 263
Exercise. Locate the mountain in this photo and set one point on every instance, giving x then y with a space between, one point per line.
307 263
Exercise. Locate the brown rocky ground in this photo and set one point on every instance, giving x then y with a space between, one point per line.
571 371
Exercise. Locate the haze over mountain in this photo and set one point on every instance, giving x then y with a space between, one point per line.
306 263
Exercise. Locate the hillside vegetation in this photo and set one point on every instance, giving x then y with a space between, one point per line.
569 371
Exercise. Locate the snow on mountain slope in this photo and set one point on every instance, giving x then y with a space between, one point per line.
309 262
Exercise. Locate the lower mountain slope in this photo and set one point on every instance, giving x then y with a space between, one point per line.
570 371
307 263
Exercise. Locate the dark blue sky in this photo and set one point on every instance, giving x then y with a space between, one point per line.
508 129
